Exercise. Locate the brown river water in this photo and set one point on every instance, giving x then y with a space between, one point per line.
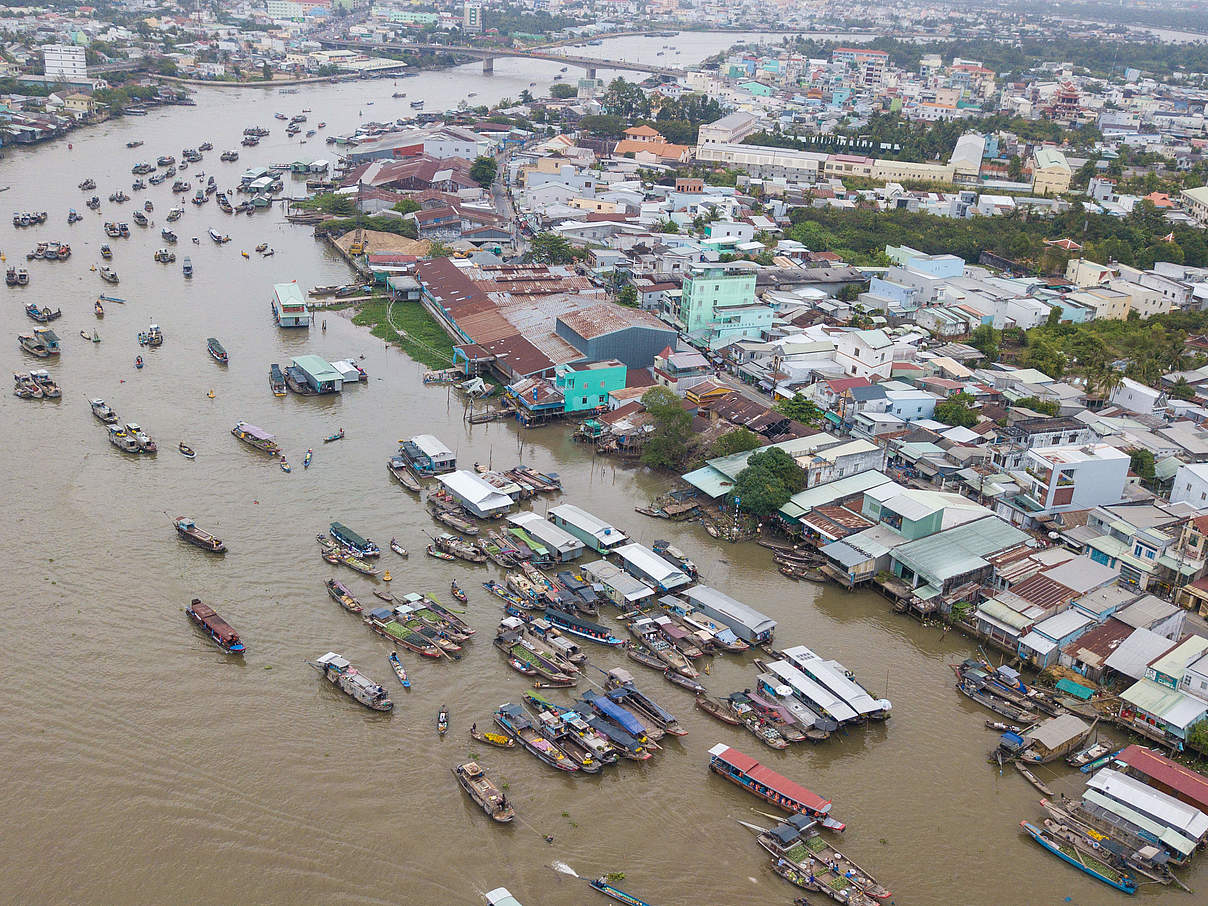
140 765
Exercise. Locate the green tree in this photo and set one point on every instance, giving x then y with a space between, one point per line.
1015 168
562 91
737 441
957 410
266 72
770 478
406 206
799 409
985 339
483 170
1141 461
1182 390
667 446
1036 404
550 248
626 100
628 296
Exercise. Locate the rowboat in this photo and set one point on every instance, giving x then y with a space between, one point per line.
807 880
339 435
285 465
186 450
615 893
1092 866
455 590
306 458
397 548
399 670
442 721
492 739
683 681
475 782
439 555
341 595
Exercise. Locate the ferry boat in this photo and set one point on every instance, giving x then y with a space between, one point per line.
187 529
102 411
362 547
216 350
276 379
765 783
1101 871
256 437
583 628
345 677
41 343
218 629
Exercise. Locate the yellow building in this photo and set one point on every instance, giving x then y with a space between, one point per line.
1051 172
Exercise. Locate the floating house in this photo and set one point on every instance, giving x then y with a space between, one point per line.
318 373
477 496
597 534
562 545
747 623
643 563
834 676
622 589
428 455
1165 810
289 305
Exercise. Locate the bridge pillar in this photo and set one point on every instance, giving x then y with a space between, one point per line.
488 64
591 72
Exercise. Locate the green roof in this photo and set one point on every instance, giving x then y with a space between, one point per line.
317 367
1079 691
959 550
289 293
821 495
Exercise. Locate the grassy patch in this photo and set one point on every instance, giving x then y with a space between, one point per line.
424 340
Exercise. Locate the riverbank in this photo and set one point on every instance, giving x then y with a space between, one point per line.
408 326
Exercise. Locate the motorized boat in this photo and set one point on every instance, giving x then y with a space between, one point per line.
108 274
398 548
216 350
399 670
442 721
306 459
187 528
339 435
102 411
218 629
186 451
482 790
345 677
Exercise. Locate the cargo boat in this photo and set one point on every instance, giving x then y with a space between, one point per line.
765 783
382 621
216 351
345 677
1101 871
256 437
474 781
187 529
583 628
513 721
796 841
362 547
218 629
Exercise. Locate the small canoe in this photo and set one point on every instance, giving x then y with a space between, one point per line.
399 670
186 450
493 739
384 595
285 466
99 309
138 361
439 555
397 548
337 436
306 459
456 591
442 721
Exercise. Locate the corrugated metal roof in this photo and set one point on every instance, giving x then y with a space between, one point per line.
959 550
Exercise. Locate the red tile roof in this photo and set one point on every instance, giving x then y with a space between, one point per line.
1187 785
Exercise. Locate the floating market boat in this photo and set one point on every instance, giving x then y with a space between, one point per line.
439 555
41 377
108 274
382 621
442 721
499 740
620 687
716 709
307 458
216 350
339 435
797 841
102 411
746 772
362 547
513 721
341 595
1084 862
145 443
455 590
462 550
123 441
398 467
26 388
355 563
188 530
397 548
276 379
583 628
399 670
345 677
492 800
256 437
821 882
219 630
602 886
42 315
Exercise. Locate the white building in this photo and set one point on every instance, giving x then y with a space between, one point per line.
65 61
729 130
865 353
1191 484
1076 478
1136 397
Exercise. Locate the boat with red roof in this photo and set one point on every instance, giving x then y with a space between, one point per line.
218 629
746 772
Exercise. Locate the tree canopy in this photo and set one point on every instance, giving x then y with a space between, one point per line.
770 478
667 446
957 411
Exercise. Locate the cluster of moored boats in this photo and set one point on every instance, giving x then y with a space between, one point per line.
129 437
35 385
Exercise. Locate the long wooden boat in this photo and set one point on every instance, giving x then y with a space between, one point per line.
439 555
382 621
1092 866
602 886
276 379
620 687
490 738
513 721
356 564
997 705
522 658
397 467
462 550
746 772
453 520
397 548
256 437
187 529
583 628
1032 779
846 894
399 670
345 677
478 786
216 350
346 537
341 595
219 630
796 841
716 709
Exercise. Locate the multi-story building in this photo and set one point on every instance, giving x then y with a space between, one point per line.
718 303
1071 478
1196 203
471 16
64 61
1051 173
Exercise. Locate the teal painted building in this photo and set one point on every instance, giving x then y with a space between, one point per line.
585 386
718 303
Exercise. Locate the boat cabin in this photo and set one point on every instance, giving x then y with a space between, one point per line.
746 622
319 375
597 534
289 306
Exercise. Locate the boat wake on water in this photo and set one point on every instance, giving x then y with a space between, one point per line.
564 869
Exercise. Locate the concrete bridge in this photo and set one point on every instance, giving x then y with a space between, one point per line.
488 55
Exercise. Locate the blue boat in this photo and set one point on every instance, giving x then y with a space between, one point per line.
611 711
583 628
1092 866
616 893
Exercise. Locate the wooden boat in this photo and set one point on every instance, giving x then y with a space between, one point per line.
339 435
42 315
345 677
819 882
475 782
997 705
1084 862
717 710
306 459
102 411
1032 779
602 886
355 563
397 466
256 437
455 590
276 379
285 466
439 555
341 595
186 450
138 362
512 720
453 520
442 721
462 550
219 630
1090 754
1004 728
99 309
399 670
498 740
397 548
187 529
216 350
384 595
761 781
684 682
796 841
